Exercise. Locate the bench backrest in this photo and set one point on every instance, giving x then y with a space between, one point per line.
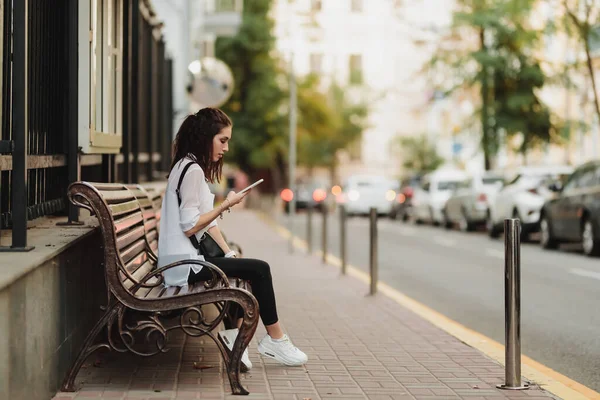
149 213
127 258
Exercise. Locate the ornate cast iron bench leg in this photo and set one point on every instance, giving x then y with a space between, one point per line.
88 347
249 324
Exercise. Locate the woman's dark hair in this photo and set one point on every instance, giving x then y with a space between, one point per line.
195 138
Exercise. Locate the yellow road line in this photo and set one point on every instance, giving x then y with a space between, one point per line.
552 381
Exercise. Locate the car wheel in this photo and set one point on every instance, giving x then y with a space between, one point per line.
591 246
464 224
493 232
447 223
546 239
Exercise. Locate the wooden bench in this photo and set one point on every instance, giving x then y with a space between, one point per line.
150 203
135 286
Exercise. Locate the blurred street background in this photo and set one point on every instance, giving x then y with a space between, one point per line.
447 116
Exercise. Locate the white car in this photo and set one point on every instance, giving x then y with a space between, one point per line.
468 205
523 198
429 199
361 192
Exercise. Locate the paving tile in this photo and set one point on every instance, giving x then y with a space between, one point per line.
359 347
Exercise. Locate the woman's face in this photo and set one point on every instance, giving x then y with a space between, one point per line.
221 143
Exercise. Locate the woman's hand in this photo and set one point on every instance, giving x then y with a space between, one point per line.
235 198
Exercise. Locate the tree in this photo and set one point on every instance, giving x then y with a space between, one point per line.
418 154
581 19
502 64
260 139
328 123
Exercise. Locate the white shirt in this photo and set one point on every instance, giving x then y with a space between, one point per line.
173 244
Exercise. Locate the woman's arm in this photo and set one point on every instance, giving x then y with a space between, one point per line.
195 196
215 232
207 218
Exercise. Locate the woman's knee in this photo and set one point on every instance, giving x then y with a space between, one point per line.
263 269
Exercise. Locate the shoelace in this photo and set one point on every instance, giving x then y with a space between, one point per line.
286 342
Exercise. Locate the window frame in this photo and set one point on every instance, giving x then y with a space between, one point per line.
101 76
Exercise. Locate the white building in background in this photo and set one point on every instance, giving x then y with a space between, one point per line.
378 47
191 29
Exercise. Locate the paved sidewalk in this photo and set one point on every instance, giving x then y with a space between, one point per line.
359 347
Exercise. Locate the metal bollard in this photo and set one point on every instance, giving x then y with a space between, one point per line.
309 214
512 305
324 233
343 216
373 250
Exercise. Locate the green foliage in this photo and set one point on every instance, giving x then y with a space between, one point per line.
327 123
503 65
260 127
418 154
259 106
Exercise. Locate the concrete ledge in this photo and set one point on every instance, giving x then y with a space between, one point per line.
49 299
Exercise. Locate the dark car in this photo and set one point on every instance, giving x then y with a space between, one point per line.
401 209
573 214
306 196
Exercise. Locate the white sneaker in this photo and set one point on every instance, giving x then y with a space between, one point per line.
227 337
282 350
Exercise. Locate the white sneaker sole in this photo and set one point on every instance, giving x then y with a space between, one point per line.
282 360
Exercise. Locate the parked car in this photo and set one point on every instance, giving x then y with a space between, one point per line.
573 215
305 196
402 207
523 198
430 198
468 205
361 192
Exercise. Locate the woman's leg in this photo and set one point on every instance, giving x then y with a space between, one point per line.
275 345
258 273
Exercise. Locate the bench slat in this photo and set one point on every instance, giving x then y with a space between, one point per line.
124 208
128 221
139 273
170 291
143 291
156 292
130 236
131 254
117 196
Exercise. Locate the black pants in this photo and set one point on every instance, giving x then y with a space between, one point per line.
257 272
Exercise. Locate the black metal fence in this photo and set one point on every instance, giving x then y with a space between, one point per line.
39 153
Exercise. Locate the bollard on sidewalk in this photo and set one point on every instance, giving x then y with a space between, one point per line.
343 217
512 305
373 250
324 232
309 215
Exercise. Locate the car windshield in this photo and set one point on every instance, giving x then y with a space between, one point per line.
492 180
448 185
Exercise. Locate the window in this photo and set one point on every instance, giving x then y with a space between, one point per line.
572 183
316 63
356 73
356 5
316 5
101 52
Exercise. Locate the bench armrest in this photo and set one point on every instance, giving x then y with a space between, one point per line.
217 274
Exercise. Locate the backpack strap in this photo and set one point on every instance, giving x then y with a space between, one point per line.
192 238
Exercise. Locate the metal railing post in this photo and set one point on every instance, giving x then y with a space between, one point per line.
20 126
512 304
343 216
373 250
324 232
309 216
